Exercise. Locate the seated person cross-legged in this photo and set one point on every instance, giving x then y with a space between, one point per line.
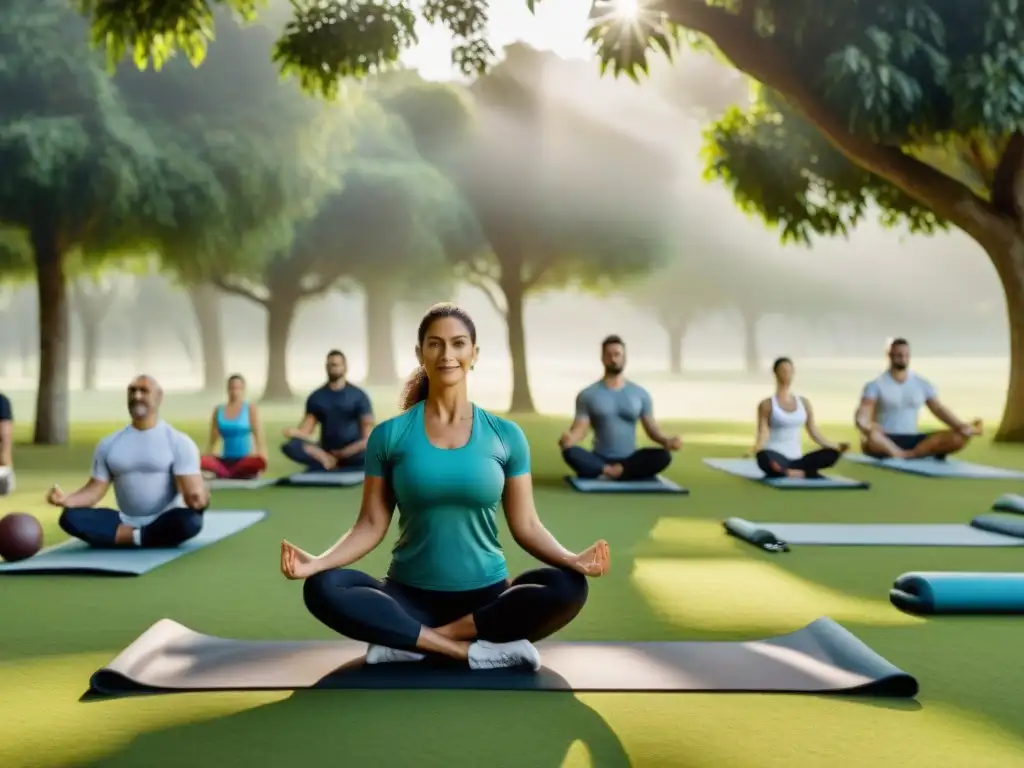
6 446
887 416
157 482
612 407
345 417
781 419
237 425
447 465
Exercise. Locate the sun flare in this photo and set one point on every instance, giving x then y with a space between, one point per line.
627 10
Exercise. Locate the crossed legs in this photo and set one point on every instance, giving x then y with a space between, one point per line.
102 528
940 444
245 468
642 464
535 605
315 458
810 465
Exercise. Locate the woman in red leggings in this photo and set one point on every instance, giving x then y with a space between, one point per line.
236 424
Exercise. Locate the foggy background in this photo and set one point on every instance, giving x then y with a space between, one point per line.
703 351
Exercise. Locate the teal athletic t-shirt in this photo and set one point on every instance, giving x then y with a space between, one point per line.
447 498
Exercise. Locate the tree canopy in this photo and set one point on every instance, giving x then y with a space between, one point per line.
388 227
913 109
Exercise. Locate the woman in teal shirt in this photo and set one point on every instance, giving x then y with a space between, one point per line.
446 464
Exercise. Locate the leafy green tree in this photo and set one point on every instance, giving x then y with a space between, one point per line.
676 297
278 266
95 290
559 199
229 123
917 109
76 168
386 228
915 113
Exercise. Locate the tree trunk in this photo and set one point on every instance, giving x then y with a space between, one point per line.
28 332
281 307
206 303
1009 263
52 406
676 336
90 355
380 331
751 349
515 298
91 309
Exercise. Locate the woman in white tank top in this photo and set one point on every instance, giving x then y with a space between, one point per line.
781 421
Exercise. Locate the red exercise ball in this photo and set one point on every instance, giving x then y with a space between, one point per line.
21 536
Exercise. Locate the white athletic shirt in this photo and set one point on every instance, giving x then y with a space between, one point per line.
143 466
785 429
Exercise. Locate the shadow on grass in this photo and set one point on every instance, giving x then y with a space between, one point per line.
390 728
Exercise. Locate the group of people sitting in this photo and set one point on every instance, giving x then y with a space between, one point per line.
447 465
886 418
339 410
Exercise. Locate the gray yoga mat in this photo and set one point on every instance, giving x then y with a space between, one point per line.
748 470
939 468
74 556
323 479
823 657
220 484
775 536
658 484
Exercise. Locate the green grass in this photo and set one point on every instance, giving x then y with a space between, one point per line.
675 576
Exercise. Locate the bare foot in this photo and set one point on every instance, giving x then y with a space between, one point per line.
614 471
796 474
460 629
124 536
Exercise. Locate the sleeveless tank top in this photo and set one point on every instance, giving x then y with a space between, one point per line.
236 433
785 429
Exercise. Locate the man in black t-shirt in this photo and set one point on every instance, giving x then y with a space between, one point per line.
6 446
345 417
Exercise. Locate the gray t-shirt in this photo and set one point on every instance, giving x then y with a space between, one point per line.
613 414
142 464
899 402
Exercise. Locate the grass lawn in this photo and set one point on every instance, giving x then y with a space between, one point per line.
675 575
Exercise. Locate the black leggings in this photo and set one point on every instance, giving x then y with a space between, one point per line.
642 464
536 604
811 463
97 527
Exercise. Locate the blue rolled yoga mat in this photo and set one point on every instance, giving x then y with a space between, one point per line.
940 592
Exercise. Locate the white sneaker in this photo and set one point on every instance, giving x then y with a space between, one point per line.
381 654
519 653
6 481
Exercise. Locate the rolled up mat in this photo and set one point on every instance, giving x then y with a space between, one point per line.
949 592
1010 502
1007 525
754 534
